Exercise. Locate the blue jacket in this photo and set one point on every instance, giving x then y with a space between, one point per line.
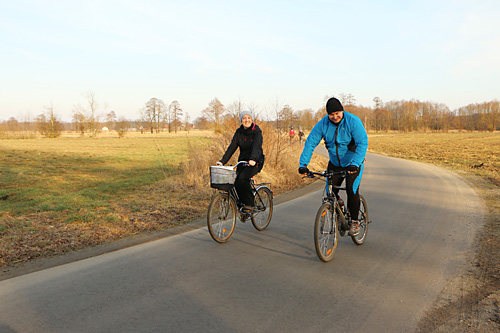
347 143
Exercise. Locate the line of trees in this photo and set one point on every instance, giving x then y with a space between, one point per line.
156 116
403 116
89 119
414 115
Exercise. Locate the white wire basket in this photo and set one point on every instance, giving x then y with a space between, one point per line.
222 177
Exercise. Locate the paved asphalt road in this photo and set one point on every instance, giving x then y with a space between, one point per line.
424 219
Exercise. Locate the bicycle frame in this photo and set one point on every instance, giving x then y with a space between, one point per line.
333 217
255 187
330 196
226 206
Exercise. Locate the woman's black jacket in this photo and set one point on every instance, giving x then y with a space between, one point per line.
250 142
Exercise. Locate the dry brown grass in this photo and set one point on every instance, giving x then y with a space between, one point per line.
476 153
59 195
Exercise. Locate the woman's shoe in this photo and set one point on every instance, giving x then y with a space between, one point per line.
248 208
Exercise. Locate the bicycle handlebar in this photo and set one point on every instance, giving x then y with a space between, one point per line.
244 163
325 173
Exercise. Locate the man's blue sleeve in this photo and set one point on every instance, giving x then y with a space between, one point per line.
361 139
312 142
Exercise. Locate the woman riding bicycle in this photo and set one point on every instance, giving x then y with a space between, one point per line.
248 137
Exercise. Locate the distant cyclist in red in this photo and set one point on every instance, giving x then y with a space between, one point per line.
291 134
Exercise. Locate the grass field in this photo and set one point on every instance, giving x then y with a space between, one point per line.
476 153
40 175
62 194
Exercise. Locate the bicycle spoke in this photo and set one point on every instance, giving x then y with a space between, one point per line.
360 238
221 218
325 233
261 217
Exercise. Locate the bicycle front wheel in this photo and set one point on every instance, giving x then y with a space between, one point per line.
326 232
221 217
360 238
263 208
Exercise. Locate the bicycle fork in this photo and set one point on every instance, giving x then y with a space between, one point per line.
225 206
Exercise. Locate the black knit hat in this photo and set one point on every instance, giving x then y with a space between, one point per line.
333 105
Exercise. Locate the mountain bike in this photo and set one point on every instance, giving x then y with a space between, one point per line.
333 217
225 205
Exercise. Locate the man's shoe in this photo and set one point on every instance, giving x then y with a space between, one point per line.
354 228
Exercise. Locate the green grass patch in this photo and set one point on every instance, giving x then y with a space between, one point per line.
71 174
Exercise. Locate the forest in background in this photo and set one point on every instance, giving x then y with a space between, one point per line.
157 116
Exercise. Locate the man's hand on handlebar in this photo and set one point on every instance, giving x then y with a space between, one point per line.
303 170
251 163
352 169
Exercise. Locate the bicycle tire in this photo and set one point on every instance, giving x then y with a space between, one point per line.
221 217
360 238
326 232
263 208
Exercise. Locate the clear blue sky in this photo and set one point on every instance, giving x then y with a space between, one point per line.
258 52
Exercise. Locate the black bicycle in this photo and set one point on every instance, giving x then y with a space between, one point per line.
225 206
333 218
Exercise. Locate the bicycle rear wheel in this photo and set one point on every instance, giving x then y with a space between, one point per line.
326 232
221 217
360 238
263 208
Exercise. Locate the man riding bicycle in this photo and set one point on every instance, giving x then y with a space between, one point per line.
347 142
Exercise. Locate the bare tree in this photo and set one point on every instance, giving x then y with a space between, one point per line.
378 113
149 114
347 100
111 120
234 109
187 125
79 120
12 124
121 127
92 118
281 131
176 114
202 123
153 114
305 119
214 113
286 117
167 117
48 124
